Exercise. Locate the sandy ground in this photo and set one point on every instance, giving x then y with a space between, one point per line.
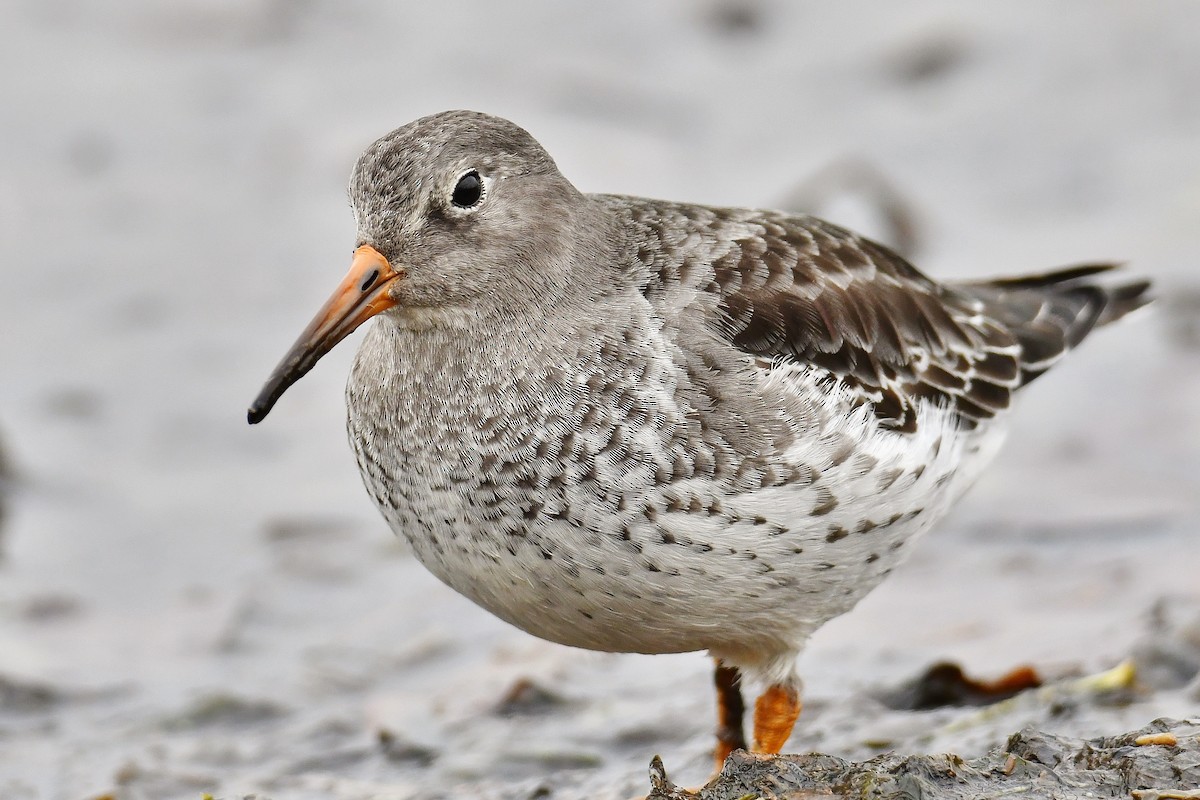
191 605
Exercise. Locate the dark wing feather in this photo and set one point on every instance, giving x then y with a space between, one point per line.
821 295
801 289
1051 313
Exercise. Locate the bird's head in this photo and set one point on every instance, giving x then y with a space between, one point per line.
461 216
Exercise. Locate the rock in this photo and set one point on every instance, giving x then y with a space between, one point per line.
1031 764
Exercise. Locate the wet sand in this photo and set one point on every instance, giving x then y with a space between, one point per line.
190 605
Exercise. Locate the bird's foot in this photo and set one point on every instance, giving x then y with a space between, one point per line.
775 714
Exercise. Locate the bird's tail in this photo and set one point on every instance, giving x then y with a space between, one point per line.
1051 313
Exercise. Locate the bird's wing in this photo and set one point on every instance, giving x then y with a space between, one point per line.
799 289
808 291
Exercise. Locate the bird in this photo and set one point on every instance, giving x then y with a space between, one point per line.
640 426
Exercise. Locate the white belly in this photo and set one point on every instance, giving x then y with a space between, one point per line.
691 566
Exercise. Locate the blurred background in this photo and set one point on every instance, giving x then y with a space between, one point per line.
188 604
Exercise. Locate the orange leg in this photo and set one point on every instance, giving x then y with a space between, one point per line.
730 710
775 714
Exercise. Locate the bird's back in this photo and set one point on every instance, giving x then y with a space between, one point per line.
796 289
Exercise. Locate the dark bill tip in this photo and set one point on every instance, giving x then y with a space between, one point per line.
265 401
295 365
362 294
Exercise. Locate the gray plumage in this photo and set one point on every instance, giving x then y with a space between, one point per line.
636 425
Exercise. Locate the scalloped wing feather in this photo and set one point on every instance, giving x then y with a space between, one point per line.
797 288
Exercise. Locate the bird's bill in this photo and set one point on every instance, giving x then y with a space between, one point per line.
362 294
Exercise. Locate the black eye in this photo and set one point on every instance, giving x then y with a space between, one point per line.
469 190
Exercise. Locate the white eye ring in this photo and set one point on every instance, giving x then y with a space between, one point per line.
468 190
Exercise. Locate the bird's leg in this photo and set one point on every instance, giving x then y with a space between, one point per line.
775 714
730 710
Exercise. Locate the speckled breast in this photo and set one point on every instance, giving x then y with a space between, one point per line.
588 516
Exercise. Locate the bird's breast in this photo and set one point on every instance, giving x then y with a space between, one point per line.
457 434
589 502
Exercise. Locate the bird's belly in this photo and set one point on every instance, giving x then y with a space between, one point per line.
743 572
609 549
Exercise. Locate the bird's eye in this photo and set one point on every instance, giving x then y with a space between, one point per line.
468 191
